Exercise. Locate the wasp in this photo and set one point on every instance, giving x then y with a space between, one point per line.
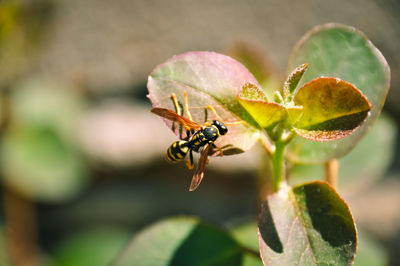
199 138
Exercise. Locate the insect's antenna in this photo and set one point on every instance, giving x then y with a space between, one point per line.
205 115
212 109
220 119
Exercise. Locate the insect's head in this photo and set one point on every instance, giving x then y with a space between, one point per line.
221 127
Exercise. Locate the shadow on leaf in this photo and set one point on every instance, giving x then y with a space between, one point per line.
268 230
329 215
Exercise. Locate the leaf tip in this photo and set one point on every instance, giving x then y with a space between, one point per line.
251 91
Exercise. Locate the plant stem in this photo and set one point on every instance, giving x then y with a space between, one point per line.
331 172
21 228
278 164
251 252
19 212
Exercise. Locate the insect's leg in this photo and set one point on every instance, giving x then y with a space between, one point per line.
189 115
235 123
188 134
206 118
220 119
221 153
178 110
190 163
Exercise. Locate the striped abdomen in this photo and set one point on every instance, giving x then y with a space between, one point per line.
177 151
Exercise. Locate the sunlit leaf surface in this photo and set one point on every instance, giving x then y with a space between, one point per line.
253 99
332 109
209 79
307 225
340 51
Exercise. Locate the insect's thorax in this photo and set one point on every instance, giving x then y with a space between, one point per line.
207 134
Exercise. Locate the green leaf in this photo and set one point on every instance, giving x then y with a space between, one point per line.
253 99
181 241
294 114
97 246
209 79
40 163
332 109
250 91
293 80
307 225
343 52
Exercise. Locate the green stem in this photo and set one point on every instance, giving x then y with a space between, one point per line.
278 164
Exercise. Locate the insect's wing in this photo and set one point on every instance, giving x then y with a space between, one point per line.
199 174
168 114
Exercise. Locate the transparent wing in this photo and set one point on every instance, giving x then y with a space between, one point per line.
199 173
171 115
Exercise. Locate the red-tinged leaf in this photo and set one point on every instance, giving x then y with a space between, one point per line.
209 79
332 109
307 225
267 114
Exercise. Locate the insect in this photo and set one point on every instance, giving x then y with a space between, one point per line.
199 138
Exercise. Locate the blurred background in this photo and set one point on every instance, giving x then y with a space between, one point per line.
81 157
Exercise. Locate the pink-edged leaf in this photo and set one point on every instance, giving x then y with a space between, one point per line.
209 79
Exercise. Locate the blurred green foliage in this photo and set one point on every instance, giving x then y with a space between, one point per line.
40 147
96 246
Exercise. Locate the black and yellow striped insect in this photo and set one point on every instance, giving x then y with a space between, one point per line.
200 138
